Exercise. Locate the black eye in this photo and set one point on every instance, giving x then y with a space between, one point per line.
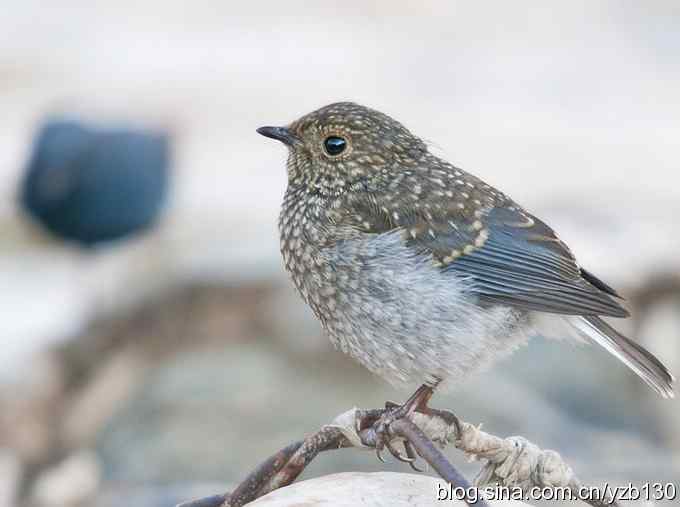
335 145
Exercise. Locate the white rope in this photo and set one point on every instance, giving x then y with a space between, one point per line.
512 461
347 424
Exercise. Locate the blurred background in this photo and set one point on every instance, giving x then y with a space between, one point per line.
152 347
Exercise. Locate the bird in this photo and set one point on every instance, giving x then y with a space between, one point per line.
421 271
92 185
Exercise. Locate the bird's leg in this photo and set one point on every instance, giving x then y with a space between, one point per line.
416 402
379 429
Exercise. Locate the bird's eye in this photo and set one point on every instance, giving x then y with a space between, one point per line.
334 145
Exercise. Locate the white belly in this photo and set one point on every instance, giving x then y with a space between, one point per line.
405 319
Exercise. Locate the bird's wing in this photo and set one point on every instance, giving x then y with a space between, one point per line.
511 257
515 259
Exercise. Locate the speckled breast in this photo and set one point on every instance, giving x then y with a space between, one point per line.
303 235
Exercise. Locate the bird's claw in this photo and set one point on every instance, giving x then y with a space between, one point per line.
378 453
376 426
399 456
383 437
411 453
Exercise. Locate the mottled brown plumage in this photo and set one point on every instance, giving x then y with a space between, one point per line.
418 269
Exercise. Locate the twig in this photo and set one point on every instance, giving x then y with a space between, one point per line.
431 454
511 462
285 466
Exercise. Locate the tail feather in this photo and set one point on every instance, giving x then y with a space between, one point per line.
641 361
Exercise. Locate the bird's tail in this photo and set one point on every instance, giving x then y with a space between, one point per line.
641 361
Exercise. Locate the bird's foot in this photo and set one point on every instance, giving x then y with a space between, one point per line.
375 427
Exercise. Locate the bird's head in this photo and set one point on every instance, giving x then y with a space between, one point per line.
342 145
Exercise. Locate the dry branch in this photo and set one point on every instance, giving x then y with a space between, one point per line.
511 462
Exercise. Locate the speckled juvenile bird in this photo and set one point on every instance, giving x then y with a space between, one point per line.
419 270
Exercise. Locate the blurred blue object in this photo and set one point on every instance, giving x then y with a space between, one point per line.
91 185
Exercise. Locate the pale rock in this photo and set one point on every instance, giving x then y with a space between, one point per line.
354 489
72 482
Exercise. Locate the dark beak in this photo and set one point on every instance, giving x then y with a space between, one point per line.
283 134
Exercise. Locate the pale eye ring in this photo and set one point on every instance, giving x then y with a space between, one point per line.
335 145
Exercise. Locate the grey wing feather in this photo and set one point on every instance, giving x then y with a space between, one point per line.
523 264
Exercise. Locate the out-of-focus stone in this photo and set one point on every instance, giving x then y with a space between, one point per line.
98 401
155 495
10 476
352 489
73 482
29 407
294 323
660 332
